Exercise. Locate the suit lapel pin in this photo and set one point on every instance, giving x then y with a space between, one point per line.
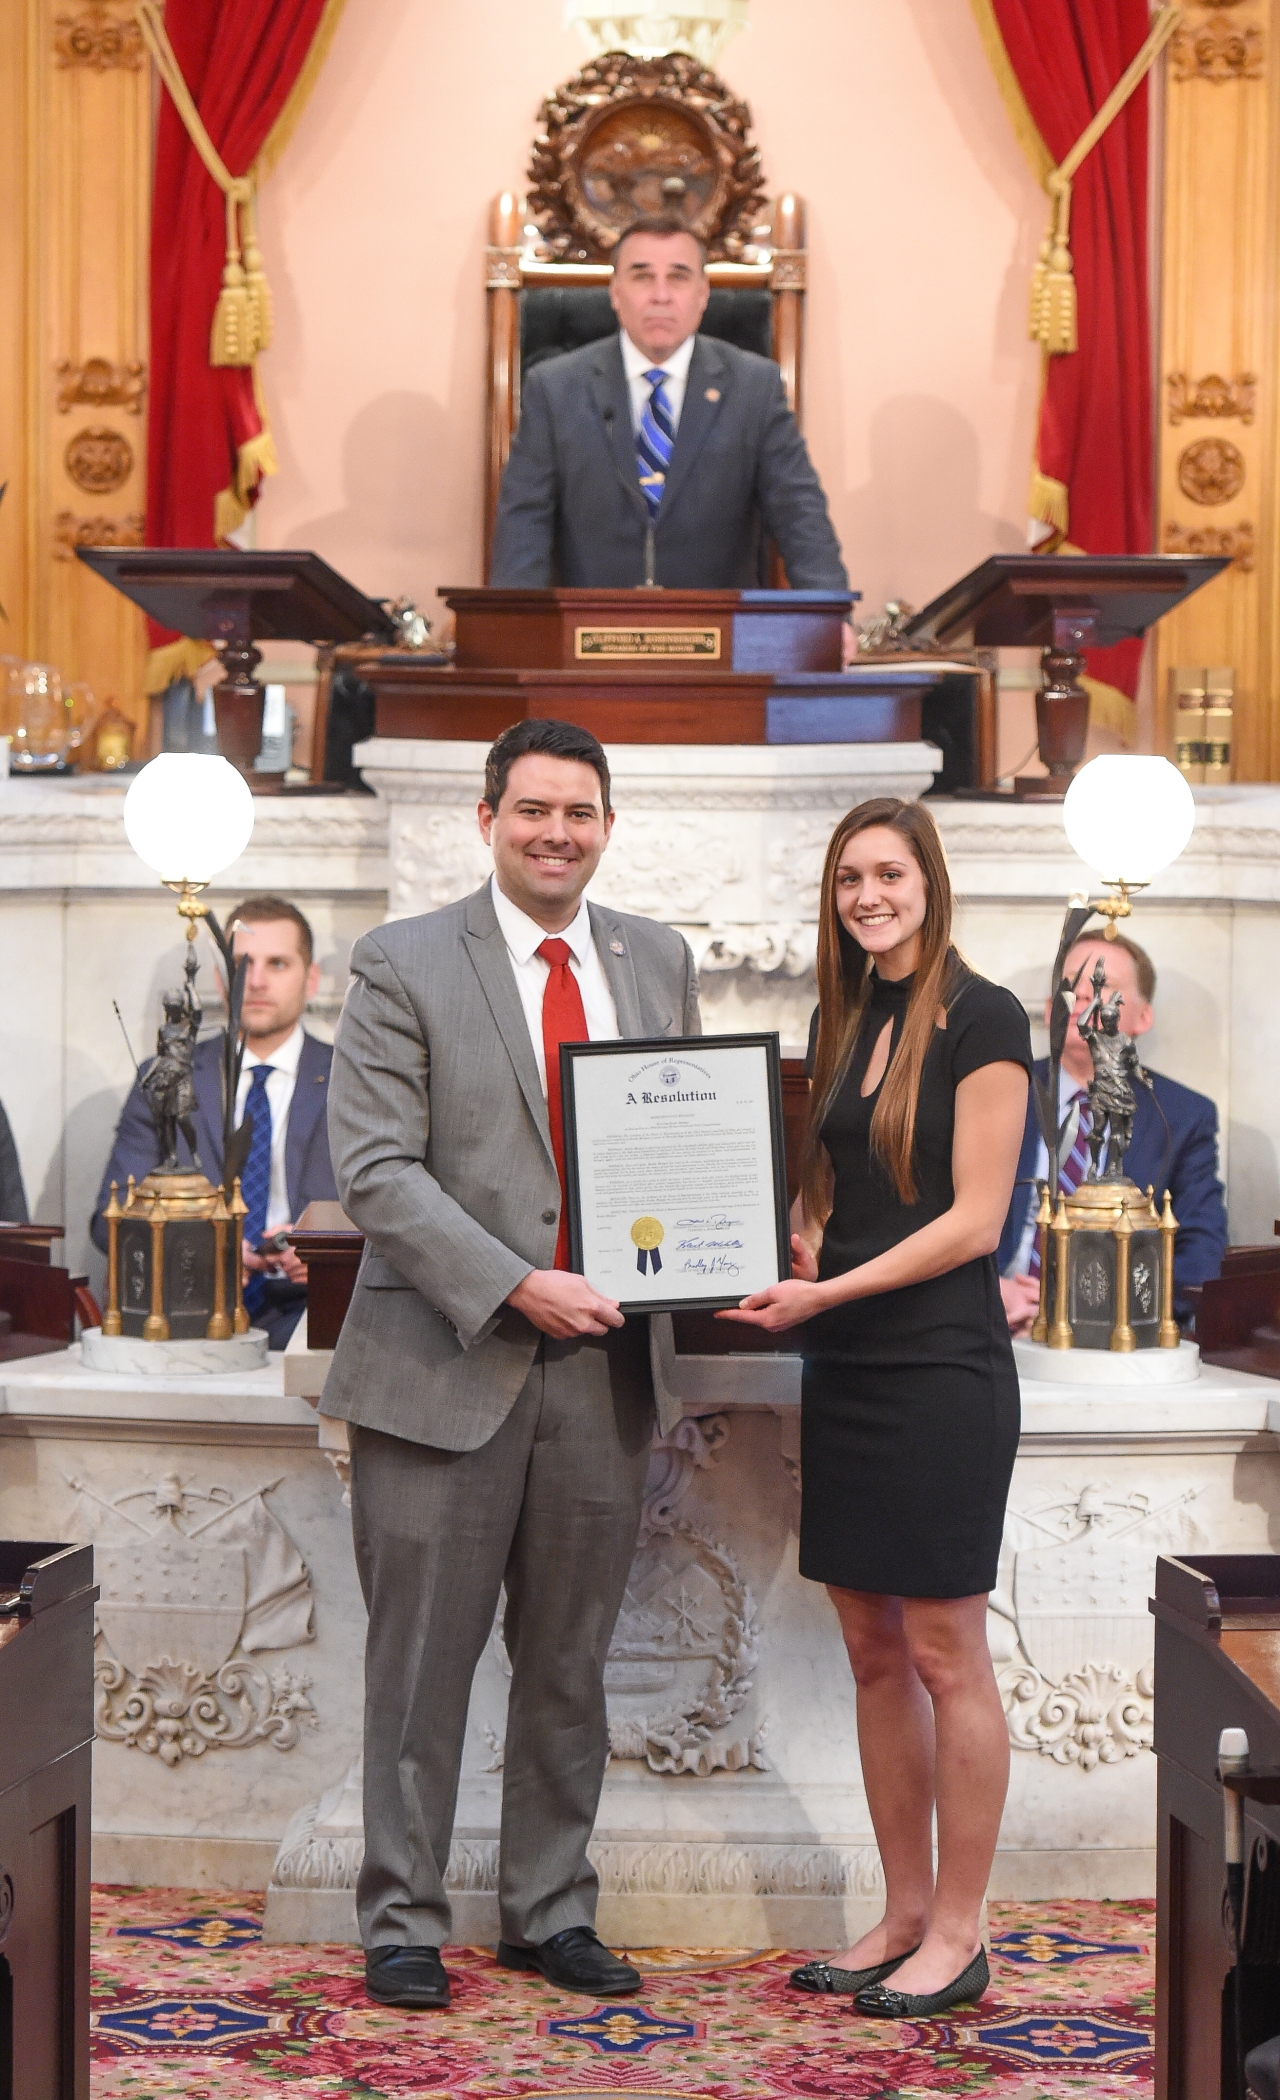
616 948
713 393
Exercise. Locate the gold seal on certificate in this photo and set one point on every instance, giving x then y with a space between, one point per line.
647 1235
675 1177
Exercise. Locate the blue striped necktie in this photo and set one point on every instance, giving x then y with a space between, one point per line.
255 1182
1072 1171
656 440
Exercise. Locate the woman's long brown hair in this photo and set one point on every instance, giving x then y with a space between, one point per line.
844 987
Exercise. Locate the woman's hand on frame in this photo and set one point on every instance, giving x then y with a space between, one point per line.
783 1305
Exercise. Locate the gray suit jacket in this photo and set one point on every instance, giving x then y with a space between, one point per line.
442 1155
571 512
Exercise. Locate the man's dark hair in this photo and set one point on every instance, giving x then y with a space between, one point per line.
261 911
1143 967
549 739
664 224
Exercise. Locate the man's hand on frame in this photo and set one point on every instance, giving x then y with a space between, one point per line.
563 1305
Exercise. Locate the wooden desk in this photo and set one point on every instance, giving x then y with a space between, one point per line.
1217 1665
47 1596
650 667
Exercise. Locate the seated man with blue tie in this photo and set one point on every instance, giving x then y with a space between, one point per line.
660 455
1174 1147
284 1085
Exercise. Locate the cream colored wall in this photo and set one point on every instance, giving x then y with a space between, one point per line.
923 223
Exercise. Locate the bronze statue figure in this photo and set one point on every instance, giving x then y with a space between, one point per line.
169 1084
1116 1067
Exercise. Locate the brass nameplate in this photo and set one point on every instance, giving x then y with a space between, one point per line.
647 641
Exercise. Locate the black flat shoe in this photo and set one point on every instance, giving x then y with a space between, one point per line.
575 1960
820 1976
411 1976
879 2003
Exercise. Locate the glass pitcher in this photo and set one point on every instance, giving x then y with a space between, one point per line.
42 730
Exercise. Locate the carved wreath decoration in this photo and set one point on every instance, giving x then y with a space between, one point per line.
629 136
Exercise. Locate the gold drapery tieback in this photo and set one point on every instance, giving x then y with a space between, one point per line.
242 316
1053 284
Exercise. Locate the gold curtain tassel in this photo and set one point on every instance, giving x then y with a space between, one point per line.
1059 336
231 336
259 291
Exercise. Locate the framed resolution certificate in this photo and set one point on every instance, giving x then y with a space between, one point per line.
677 1184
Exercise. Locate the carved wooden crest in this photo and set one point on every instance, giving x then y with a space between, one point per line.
628 136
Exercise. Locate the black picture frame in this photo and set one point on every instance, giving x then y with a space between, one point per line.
632 1046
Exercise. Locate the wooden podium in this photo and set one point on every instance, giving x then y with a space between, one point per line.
647 667
47 1596
1217 1666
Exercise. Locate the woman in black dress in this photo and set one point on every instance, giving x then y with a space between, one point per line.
909 1420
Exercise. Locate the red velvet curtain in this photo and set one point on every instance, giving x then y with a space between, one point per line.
1095 414
241 60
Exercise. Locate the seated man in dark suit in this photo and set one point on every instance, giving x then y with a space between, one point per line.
13 1197
660 455
1189 1171
284 1083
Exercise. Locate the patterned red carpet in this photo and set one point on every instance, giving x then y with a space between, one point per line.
188 2002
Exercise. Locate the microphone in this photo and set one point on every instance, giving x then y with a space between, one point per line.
650 547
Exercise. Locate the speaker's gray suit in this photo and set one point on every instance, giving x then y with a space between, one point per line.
481 1450
570 510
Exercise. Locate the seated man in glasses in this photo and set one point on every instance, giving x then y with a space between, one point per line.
1183 1159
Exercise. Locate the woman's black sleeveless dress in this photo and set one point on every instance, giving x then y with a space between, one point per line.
909 1412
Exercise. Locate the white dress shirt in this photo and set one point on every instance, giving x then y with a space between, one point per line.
676 367
280 1086
1067 1087
524 937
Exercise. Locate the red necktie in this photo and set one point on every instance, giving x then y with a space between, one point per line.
564 1020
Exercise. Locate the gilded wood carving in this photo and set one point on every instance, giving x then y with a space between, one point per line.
99 460
98 39
100 384
1218 50
1235 541
628 136
1212 396
70 532
1211 471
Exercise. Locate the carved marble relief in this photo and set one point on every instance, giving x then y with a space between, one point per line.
684 1651
195 1582
1068 1624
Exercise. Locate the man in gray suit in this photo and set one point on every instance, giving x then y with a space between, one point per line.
660 455
501 1410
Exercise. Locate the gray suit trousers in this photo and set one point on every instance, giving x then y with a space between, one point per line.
551 1506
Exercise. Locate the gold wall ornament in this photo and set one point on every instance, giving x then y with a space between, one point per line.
631 135
1212 396
1218 51
98 39
70 532
1211 470
98 383
1235 541
700 27
99 460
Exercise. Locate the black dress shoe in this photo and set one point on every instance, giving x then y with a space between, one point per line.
413 1976
878 2002
822 1977
576 1961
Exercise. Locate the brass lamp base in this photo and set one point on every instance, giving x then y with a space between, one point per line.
1107 1269
170 1248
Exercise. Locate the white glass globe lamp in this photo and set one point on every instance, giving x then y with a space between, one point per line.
188 815
1129 816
